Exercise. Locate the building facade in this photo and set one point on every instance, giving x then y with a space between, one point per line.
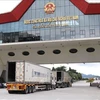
51 20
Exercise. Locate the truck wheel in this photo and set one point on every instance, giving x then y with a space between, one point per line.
47 87
26 90
68 85
59 86
50 87
32 89
54 86
10 92
62 85
29 89
65 84
90 84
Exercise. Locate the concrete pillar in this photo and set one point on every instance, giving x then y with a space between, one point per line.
1 69
2 73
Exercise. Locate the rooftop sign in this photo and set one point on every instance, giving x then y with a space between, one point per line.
53 22
53 19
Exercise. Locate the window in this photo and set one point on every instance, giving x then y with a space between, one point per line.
92 32
40 52
47 34
82 33
63 34
11 54
73 50
90 49
72 34
25 53
56 51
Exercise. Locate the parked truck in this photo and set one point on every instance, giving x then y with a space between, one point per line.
27 77
63 79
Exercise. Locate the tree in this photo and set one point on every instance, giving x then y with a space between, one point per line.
71 74
72 70
62 68
79 76
74 74
53 69
76 77
69 68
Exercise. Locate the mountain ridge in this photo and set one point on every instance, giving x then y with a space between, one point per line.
89 75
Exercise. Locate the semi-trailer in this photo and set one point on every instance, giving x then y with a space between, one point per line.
26 77
63 79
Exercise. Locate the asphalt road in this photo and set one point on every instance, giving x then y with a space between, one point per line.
79 91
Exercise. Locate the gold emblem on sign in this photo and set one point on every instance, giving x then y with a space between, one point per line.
49 8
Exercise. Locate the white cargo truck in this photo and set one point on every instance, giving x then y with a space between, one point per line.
27 77
63 79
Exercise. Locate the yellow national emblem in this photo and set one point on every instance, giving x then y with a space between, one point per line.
49 8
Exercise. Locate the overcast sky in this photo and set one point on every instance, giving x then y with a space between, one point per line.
8 5
93 1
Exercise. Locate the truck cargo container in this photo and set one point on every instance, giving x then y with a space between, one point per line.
27 77
63 79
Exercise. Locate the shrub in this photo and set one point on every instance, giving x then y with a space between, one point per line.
90 80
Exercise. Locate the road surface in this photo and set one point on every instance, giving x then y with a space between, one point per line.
79 91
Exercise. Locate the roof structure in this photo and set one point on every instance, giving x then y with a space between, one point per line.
88 7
